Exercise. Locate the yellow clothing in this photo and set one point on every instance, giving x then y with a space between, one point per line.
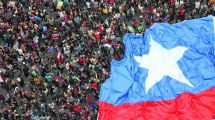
105 10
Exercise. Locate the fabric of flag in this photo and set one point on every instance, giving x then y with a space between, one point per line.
168 74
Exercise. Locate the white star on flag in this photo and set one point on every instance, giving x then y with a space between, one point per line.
162 62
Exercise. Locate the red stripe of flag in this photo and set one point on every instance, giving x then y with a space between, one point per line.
186 106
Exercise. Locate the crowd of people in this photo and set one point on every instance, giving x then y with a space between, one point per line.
55 54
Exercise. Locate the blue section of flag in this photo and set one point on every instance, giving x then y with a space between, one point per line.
127 81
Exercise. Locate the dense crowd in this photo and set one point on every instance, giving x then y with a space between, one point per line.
54 54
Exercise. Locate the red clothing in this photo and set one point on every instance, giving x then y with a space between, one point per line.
77 109
60 57
76 91
90 42
34 45
35 12
82 60
89 99
151 9
172 2
182 12
55 36
66 18
101 30
86 112
135 23
84 24
94 85
71 65
97 35
25 93
111 1
6 25
170 11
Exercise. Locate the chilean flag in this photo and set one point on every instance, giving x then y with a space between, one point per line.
166 74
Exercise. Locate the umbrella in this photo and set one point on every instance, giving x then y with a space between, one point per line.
49 78
44 28
37 18
93 106
51 49
140 28
77 20
105 10
35 74
130 29
107 45
6 45
59 5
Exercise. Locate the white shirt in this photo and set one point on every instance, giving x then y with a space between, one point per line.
177 4
120 8
197 4
110 9
88 4
132 9
61 14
